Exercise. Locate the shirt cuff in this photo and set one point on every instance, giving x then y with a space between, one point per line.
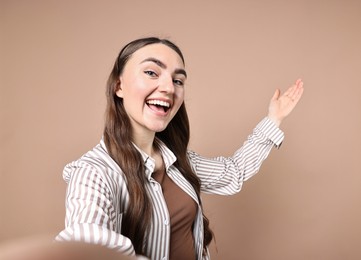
271 130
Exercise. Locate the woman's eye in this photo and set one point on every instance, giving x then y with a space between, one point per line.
178 82
150 73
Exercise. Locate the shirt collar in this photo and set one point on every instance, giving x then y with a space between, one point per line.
168 156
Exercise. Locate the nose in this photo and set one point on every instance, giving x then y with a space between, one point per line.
166 85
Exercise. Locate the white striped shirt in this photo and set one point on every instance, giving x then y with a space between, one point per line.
97 195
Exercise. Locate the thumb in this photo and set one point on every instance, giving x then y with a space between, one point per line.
276 95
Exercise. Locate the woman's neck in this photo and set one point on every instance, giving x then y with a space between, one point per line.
145 142
147 145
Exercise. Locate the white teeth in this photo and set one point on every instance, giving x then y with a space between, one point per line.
159 103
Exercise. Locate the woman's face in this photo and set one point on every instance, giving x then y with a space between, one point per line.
152 88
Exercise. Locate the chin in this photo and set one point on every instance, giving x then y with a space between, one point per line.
158 128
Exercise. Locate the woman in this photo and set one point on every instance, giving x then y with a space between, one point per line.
139 190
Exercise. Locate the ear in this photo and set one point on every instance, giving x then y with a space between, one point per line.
119 90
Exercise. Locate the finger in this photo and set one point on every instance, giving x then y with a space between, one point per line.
276 95
299 94
289 91
297 91
298 82
293 91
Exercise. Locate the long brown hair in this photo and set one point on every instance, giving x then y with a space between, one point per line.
117 137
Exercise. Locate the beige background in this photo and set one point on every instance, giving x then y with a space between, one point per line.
306 201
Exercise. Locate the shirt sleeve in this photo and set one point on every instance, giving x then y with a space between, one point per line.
225 175
90 214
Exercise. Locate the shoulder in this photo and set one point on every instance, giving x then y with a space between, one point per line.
96 160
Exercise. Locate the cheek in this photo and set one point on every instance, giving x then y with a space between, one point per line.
133 89
180 95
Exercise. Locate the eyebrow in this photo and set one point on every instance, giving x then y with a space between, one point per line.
163 66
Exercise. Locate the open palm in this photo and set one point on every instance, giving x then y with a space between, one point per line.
282 105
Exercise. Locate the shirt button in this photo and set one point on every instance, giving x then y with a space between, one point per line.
166 222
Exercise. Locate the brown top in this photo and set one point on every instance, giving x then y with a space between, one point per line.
182 211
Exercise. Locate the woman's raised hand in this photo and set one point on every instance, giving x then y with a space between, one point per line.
282 105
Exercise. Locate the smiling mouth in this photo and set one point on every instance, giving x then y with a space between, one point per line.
158 105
